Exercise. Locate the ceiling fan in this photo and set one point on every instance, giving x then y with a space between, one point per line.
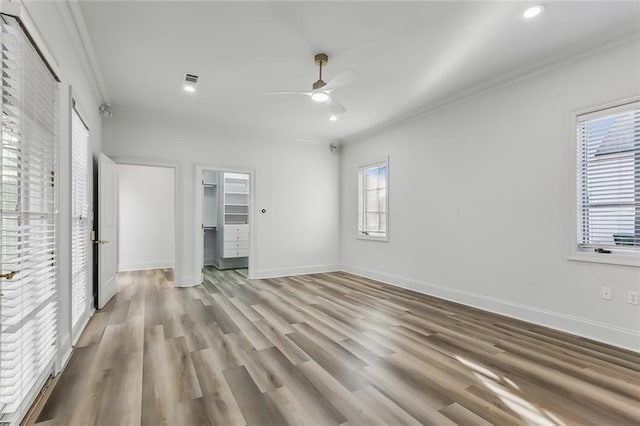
321 91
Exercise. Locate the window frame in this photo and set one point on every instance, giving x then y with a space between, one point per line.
587 254
360 198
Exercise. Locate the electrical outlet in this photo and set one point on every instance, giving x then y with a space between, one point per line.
632 297
606 293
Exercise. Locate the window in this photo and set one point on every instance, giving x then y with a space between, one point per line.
28 216
79 216
372 201
608 167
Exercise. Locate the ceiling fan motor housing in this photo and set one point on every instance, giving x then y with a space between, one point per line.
319 84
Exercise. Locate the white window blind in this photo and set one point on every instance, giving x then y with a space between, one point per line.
79 216
608 143
28 207
372 200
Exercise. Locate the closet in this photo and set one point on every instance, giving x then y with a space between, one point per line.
209 215
225 219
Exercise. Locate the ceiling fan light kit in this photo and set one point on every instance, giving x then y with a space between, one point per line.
320 97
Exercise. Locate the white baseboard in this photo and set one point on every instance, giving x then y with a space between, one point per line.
68 343
64 353
189 281
296 270
186 281
144 266
617 336
83 323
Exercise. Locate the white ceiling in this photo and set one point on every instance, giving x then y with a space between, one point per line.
409 54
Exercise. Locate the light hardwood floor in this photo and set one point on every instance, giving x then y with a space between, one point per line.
327 349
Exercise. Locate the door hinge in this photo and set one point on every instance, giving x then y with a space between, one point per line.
53 178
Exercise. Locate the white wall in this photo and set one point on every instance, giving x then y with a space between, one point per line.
52 20
296 182
145 217
480 198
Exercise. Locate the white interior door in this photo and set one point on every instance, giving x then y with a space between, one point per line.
107 230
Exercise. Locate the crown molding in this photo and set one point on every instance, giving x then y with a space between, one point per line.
559 60
76 27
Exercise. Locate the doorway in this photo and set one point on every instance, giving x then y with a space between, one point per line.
224 200
146 218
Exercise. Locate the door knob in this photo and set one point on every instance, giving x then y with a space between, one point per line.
9 275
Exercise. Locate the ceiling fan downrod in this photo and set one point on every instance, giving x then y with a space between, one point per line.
320 60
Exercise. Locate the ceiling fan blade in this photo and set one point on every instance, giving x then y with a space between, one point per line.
287 93
335 107
343 79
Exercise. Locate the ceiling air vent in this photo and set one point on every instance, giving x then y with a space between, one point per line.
190 82
191 78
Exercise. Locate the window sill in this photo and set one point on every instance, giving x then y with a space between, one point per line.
611 259
372 238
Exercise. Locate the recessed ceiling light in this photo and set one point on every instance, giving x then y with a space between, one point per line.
333 118
189 88
320 97
532 11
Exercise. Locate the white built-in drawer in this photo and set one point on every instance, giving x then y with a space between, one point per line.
236 253
236 228
236 236
232 245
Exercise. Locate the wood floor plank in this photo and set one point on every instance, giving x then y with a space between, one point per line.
255 408
73 382
220 405
195 334
417 404
184 379
383 408
339 396
194 412
317 406
291 408
94 330
219 352
114 367
348 376
158 393
273 318
280 341
248 356
327 349
462 416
